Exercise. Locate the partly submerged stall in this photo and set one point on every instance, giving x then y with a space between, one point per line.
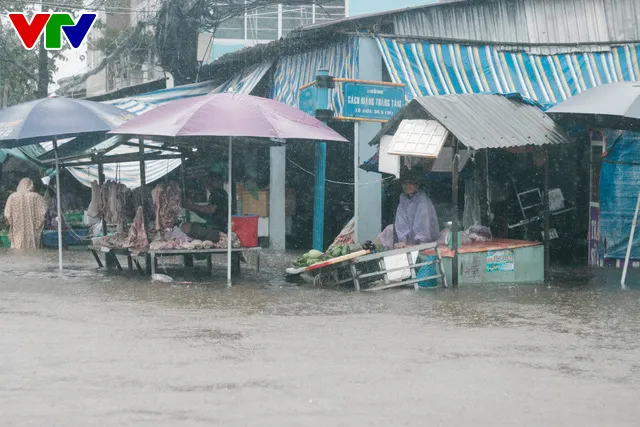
427 126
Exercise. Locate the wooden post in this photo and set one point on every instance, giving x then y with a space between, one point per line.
454 220
143 176
184 185
546 216
101 182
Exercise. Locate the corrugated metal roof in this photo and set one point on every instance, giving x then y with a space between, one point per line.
528 22
538 26
483 120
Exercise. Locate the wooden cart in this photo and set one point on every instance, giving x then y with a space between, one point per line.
370 272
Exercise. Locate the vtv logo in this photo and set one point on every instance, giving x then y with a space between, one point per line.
53 25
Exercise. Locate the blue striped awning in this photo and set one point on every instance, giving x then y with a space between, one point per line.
163 96
428 69
295 71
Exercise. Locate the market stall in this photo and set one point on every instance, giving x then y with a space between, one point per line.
216 121
159 237
455 124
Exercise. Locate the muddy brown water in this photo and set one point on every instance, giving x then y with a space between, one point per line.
88 348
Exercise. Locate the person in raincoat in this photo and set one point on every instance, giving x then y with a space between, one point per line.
416 221
25 213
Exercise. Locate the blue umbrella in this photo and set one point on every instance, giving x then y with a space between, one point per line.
56 118
50 119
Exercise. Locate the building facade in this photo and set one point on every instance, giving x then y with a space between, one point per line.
127 69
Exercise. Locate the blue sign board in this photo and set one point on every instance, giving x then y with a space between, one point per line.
371 101
307 100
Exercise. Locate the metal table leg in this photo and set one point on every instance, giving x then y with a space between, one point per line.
354 275
153 263
412 270
97 258
139 267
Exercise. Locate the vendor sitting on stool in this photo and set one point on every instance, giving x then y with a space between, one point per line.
416 221
215 212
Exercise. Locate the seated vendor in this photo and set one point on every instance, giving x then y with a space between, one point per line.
215 213
416 221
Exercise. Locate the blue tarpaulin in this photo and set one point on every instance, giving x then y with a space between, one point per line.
619 187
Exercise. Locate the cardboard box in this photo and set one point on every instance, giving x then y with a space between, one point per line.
251 206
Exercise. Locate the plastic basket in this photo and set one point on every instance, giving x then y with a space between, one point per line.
427 271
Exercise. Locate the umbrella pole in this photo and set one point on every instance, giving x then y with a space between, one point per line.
547 217
633 231
356 179
59 204
454 220
229 239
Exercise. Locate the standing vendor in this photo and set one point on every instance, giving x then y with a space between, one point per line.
416 221
215 213
25 212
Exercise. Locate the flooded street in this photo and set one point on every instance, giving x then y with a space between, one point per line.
93 349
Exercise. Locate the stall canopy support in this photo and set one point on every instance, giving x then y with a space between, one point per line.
143 176
58 203
546 216
101 182
628 255
454 220
229 230
322 104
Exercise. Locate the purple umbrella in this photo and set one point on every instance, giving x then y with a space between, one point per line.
230 116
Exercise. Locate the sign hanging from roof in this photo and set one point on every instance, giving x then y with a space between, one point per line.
419 138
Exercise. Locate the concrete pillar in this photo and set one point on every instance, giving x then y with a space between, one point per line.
370 195
277 185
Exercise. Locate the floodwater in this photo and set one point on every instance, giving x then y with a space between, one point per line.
96 349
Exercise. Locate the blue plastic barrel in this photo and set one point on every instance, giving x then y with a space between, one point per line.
427 271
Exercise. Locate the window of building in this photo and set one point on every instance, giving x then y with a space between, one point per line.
231 29
262 24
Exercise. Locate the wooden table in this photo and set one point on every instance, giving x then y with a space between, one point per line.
150 258
154 255
111 258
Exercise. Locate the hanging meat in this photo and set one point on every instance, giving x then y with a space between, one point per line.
137 238
166 200
105 195
94 207
118 204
